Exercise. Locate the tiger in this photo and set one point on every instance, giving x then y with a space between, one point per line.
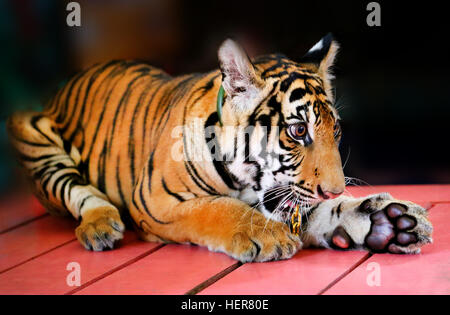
219 159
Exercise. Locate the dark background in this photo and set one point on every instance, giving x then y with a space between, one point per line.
392 81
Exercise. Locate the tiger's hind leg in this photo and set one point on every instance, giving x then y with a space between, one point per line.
52 165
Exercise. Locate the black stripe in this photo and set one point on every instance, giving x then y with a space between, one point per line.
297 94
149 103
212 142
141 193
147 210
190 167
84 201
167 190
100 181
119 184
29 142
34 120
198 181
131 144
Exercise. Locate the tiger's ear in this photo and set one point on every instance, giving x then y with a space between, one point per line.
320 58
239 77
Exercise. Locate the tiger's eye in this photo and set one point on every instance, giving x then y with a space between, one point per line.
298 131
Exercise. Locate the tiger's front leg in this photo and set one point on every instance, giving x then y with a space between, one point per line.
225 225
377 223
52 166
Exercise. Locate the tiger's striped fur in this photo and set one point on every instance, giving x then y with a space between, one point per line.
105 145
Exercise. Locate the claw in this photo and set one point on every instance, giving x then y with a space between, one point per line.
100 229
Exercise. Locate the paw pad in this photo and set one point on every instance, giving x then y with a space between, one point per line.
390 229
341 239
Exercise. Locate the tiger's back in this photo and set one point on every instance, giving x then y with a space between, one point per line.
114 114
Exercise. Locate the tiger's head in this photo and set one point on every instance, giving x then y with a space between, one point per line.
288 154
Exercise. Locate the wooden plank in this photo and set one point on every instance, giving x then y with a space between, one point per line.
421 194
426 273
177 269
18 209
311 265
47 274
33 239
174 269
308 272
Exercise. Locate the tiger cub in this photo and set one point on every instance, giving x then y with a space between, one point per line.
220 159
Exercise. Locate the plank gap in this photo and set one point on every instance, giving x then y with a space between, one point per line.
114 270
23 223
214 279
37 256
435 203
343 275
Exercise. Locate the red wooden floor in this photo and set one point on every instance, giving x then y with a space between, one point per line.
36 250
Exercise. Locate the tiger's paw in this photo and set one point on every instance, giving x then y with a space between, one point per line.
100 229
264 241
398 227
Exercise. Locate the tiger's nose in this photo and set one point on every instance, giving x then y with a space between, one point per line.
324 194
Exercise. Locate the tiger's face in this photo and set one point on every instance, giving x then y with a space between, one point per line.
288 154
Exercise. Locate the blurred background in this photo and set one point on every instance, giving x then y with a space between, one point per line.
392 81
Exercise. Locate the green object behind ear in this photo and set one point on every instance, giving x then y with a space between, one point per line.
220 97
